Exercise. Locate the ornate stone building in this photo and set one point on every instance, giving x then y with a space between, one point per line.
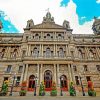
50 52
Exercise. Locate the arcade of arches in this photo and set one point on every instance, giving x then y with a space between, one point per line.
48 73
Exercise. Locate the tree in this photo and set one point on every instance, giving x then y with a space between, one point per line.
91 91
42 89
23 88
54 90
4 89
72 90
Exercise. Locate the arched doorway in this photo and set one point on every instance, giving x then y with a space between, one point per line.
63 83
31 83
48 80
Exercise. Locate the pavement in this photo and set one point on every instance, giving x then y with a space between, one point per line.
66 96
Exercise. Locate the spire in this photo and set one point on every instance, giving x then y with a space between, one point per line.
48 17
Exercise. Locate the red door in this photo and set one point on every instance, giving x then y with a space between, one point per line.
31 83
63 83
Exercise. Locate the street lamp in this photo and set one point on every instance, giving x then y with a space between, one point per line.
12 84
81 85
61 93
35 78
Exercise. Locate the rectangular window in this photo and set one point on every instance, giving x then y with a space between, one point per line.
9 69
88 78
77 80
18 81
74 68
5 78
20 69
85 67
98 67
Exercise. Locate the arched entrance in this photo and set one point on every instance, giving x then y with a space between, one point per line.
48 80
63 83
31 83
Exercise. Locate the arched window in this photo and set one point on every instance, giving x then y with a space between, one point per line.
2 53
14 53
80 54
48 52
37 36
61 52
91 54
48 37
35 52
60 37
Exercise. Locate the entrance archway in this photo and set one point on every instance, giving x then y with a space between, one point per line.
48 80
31 83
63 82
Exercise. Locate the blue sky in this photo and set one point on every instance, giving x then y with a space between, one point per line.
14 15
85 8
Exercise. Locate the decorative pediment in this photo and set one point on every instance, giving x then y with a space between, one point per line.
48 25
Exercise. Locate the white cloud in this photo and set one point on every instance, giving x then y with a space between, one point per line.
20 11
97 1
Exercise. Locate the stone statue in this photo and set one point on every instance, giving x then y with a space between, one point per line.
96 26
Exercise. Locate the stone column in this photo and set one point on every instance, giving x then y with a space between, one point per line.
76 53
41 73
22 75
9 52
66 51
86 53
38 74
72 73
58 77
55 73
69 72
54 35
98 52
68 54
42 50
54 50
26 72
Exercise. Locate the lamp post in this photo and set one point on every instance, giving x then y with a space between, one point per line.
81 85
35 78
61 93
12 84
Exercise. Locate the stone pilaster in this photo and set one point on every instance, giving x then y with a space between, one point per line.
68 54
